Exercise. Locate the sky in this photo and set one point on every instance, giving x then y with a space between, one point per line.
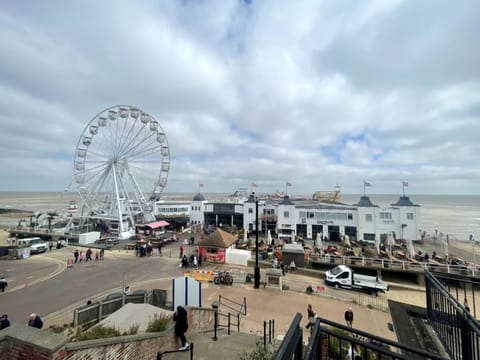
314 93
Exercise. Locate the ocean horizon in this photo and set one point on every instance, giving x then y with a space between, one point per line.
455 215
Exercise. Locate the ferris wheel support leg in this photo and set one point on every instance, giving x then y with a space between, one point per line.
120 217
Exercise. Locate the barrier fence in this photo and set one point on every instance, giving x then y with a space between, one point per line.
391 264
93 313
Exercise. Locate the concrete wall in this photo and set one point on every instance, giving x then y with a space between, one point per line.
26 343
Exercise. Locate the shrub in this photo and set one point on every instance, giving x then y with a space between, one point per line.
98 332
159 323
103 332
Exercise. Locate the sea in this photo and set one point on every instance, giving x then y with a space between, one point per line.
455 215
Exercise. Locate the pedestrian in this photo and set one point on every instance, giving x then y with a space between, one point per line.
80 256
4 322
195 262
75 254
181 326
3 283
126 290
35 321
160 244
185 262
102 253
311 316
181 251
349 317
199 260
97 255
88 255
50 245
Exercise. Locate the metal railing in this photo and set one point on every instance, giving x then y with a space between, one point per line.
457 329
161 353
391 264
92 313
330 340
292 345
268 334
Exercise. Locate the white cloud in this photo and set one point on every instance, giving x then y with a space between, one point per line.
316 93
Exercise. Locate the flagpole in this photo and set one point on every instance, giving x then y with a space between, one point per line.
364 189
403 185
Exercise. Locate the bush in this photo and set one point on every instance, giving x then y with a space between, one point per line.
104 332
159 323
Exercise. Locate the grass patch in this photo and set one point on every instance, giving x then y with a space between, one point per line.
159 323
104 332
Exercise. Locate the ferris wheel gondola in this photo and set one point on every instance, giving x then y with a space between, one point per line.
121 166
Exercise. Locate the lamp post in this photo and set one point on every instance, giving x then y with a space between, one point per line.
256 274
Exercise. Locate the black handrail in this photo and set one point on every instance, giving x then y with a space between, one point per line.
291 346
271 332
161 353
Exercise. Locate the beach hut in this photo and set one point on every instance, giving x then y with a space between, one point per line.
215 246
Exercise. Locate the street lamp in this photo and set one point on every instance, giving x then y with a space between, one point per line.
256 274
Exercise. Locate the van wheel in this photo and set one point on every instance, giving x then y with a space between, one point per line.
337 286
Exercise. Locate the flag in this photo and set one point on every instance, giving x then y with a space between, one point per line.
366 183
254 185
288 183
200 185
405 183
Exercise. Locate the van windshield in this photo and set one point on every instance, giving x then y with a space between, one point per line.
336 270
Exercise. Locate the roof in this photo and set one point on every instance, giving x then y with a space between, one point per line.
218 239
404 201
157 224
199 197
365 202
286 201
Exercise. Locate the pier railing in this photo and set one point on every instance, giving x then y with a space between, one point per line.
390 264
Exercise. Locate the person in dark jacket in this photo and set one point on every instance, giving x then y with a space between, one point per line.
4 322
349 317
35 321
181 326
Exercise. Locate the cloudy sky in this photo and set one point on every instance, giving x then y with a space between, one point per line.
311 92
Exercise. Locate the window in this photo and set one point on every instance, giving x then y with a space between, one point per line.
286 214
369 237
386 216
350 216
368 217
310 215
409 216
250 210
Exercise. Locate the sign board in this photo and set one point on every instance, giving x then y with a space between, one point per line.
186 292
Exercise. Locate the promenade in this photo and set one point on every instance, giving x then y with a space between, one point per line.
54 291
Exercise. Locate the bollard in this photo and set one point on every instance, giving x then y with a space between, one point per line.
215 324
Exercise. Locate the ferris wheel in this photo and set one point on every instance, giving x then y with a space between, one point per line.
121 166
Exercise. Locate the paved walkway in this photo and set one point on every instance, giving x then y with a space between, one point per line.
262 304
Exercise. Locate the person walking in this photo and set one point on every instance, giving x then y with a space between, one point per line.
311 316
80 257
35 321
75 255
181 326
88 255
181 251
349 317
160 244
184 262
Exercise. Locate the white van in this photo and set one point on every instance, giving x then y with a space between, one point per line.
37 245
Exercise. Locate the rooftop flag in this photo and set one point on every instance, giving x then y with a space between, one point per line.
200 185
366 183
288 183
254 185
405 183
